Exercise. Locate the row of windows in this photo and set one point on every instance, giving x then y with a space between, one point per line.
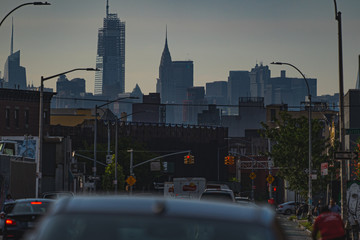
13 118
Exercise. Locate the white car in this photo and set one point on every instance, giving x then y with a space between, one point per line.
287 208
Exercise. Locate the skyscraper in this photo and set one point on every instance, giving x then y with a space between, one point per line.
110 59
14 74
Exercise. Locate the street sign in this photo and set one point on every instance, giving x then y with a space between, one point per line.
352 131
324 169
108 159
131 180
270 179
252 176
345 155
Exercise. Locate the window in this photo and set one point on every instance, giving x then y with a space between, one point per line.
7 117
272 115
26 116
16 117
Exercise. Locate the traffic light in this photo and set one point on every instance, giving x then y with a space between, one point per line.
186 159
189 159
274 188
229 160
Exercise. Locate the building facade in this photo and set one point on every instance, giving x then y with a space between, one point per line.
110 60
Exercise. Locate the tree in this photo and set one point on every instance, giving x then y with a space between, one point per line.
290 152
109 176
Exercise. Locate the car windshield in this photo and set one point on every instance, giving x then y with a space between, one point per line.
30 207
216 196
116 227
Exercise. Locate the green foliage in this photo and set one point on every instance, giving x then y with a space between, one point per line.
109 176
291 151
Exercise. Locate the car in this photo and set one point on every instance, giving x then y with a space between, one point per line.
245 201
57 194
287 208
225 195
6 208
24 216
133 218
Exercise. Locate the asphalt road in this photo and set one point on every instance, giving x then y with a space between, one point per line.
292 229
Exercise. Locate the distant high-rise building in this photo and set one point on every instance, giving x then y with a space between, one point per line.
216 93
358 77
175 77
14 74
110 80
259 77
194 104
238 86
67 91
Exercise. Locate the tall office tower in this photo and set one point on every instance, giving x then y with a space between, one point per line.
238 86
14 74
110 59
175 77
194 104
165 82
259 77
216 93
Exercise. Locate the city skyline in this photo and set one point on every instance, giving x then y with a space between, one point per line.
218 36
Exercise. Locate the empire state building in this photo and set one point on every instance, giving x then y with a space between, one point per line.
110 59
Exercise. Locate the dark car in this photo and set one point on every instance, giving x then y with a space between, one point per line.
139 218
222 195
6 208
24 216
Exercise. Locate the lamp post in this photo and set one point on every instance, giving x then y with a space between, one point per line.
95 137
41 123
310 146
341 116
30 3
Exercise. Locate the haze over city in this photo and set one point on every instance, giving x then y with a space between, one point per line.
218 36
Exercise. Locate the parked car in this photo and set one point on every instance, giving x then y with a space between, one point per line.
6 208
24 216
57 194
226 195
133 218
245 201
287 208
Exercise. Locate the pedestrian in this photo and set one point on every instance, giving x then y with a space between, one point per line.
333 207
329 224
9 198
317 208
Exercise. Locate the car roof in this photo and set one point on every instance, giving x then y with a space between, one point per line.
219 190
164 207
33 200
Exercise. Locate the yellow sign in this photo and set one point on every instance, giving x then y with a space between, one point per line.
131 180
270 179
252 175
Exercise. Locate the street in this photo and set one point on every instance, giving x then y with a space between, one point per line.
291 229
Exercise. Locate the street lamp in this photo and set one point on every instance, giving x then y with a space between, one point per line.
341 116
30 3
41 123
310 147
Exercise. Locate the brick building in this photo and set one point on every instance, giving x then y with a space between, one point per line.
19 112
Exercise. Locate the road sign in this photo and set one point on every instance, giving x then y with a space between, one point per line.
352 131
252 176
131 180
345 155
324 169
270 179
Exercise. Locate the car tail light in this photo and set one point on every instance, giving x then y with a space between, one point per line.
36 202
10 222
281 206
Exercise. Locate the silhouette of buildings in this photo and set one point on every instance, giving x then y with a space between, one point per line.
194 104
150 110
238 86
110 80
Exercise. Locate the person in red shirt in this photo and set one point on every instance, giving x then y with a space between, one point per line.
329 224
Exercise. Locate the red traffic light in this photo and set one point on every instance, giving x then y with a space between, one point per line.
274 189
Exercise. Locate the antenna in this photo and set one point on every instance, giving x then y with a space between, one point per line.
107 8
12 37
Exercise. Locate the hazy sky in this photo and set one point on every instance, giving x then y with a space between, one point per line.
218 35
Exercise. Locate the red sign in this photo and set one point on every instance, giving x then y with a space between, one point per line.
190 187
324 169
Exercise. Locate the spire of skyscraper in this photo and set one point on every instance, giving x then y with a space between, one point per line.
107 8
166 57
12 37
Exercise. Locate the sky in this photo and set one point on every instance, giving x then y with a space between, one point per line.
219 36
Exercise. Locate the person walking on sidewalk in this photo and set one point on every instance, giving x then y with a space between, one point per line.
329 224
